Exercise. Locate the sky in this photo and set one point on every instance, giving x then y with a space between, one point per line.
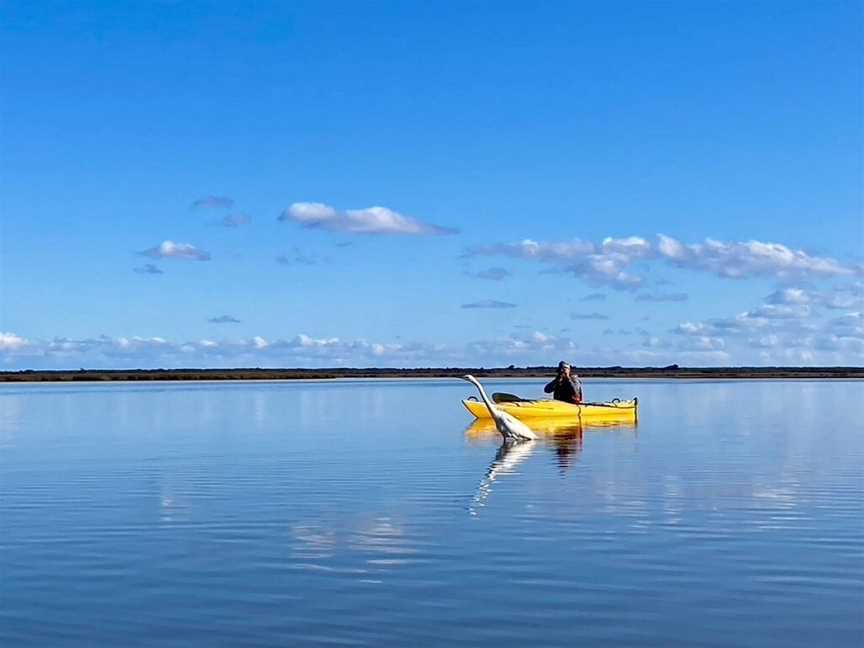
307 184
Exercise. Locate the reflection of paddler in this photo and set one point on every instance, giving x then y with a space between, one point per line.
567 448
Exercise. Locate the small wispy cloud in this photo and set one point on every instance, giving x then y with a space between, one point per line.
172 250
779 311
489 303
848 325
588 316
371 220
213 202
224 319
148 268
296 257
235 220
663 297
594 297
491 274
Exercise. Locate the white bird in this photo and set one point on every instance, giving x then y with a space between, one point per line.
510 427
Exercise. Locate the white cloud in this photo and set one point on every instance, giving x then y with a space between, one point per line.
655 342
172 250
840 298
843 345
529 249
670 248
306 342
529 348
133 345
849 325
781 311
748 259
612 261
790 316
770 341
634 247
691 328
12 342
787 329
371 220
702 343
310 213
850 345
607 268
603 265
789 296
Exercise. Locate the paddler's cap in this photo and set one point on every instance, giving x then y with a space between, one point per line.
563 364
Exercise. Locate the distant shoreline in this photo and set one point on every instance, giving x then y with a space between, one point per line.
671 372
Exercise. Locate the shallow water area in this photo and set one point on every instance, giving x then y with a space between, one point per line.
373 513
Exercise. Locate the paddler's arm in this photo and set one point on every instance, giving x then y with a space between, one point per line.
577 389
551 386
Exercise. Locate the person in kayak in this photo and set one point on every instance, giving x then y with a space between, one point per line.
566 387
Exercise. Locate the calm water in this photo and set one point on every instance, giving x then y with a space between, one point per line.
369 514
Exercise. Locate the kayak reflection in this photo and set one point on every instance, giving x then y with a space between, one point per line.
549 429
565 439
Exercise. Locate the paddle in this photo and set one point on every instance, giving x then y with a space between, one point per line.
504 397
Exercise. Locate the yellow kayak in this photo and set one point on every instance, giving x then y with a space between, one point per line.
616 410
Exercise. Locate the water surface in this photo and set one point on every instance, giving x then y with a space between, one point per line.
369 513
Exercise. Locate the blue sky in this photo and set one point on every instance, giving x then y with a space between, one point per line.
399 184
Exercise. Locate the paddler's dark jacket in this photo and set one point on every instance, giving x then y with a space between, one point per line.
564 390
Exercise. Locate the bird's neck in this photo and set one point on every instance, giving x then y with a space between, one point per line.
492 409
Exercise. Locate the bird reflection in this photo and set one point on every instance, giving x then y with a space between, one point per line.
509 455
564 438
